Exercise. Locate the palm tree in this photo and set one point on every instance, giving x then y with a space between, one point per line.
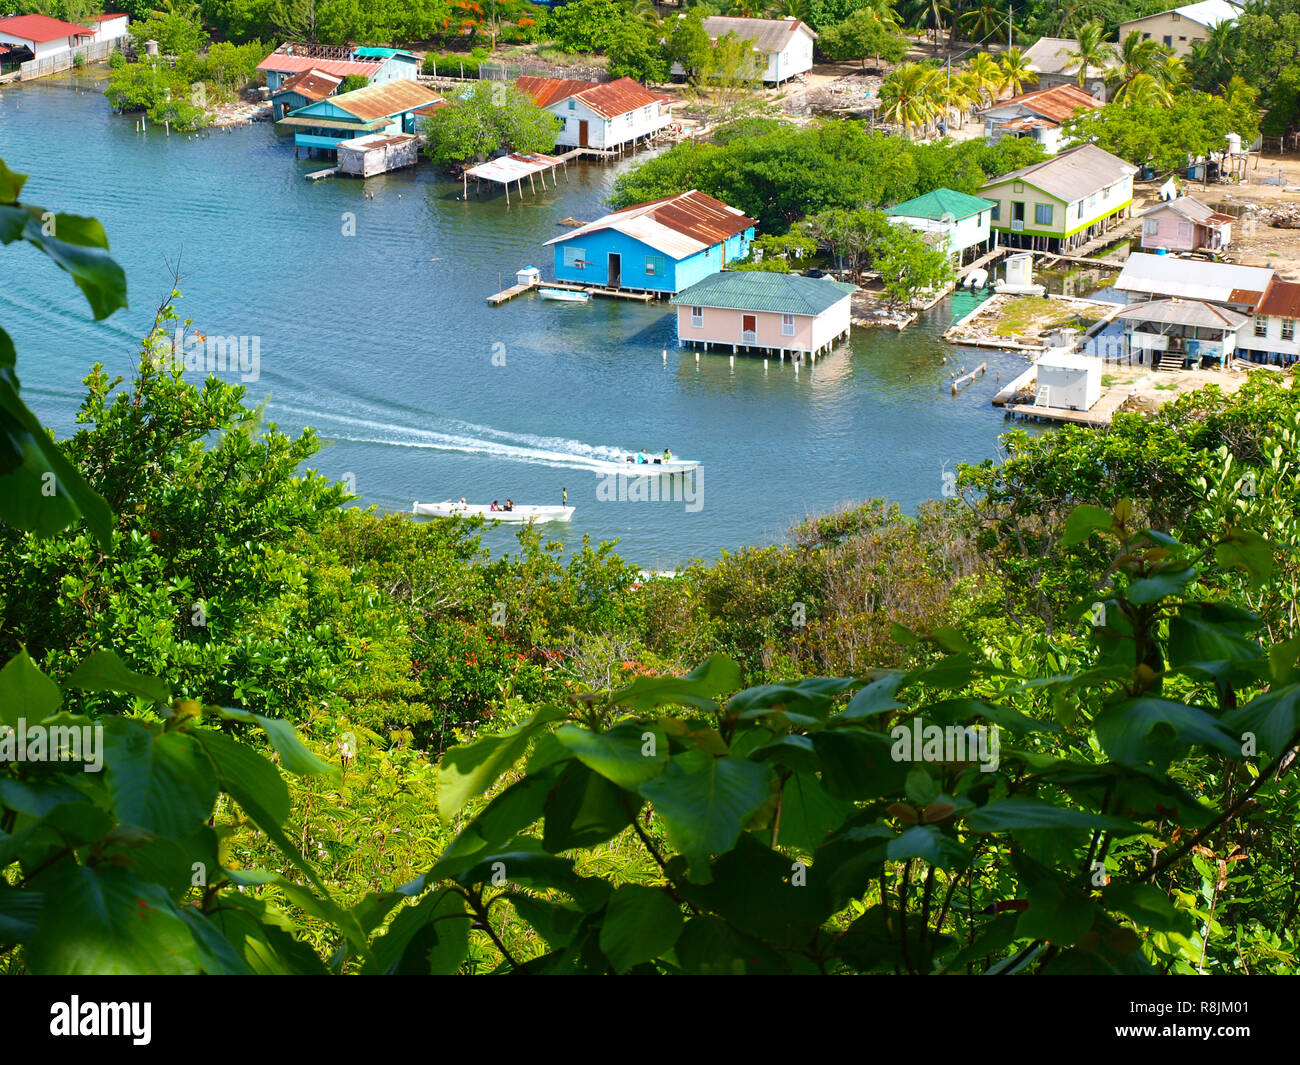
1015 70
963 95
1143 90
646 12
790 8
1212 57
1094 51
910 96
987 74
982 22
1171 72
1137 57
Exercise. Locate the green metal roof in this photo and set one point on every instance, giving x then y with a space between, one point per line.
939 204
384 53
758 290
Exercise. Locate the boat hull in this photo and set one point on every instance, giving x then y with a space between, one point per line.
520 515
563 295
648 469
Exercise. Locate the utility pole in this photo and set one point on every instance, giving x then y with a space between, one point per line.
1010 33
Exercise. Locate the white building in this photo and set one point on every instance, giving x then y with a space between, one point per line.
110 27
1271 336
784 44
1049 58
599 114
43 36
1037 115
961 221
1180 28
1067 379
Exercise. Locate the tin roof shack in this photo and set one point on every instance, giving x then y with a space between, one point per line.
1068 380
376 65
377 153
961 221
514 168
1064 202
299 90
1181 28
1185 224
1150 277
661 247
1271 338
1175 334
1037 115
762 311
1049 58
41 35
784 45
389 108
599 114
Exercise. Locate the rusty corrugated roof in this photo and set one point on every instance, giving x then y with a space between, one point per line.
1280 300
546 91
310 84
609 99
1058 103
678 225
385 99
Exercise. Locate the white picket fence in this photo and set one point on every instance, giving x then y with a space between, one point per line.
52 64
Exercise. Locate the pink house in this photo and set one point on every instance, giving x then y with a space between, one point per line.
761 311
1185 224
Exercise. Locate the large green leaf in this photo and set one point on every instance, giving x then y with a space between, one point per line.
81 248
294 755
19 909
808 813
431 937
584 809
1084 520
640 924
103 671
705 801
1033 813
1158 730
628 754
699 688
1061 919
25 692
160 782
858 765
1273 717
244 774
106 921
469 769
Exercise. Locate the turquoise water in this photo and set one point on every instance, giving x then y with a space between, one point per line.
383 341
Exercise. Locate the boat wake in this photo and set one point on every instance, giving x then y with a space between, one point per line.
463 437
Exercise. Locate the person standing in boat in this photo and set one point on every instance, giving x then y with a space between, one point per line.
564 494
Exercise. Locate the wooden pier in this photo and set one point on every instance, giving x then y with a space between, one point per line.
316 175
510 293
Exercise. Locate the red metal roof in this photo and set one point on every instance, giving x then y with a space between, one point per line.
40 28
1281 299
1058 103
546 91
609 99
310 84
695 214
287 63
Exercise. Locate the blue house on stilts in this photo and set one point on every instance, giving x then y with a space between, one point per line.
659 247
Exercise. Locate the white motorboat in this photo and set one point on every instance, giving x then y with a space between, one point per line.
564 295
520 514
652 467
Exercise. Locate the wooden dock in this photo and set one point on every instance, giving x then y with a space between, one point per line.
510 293
316 175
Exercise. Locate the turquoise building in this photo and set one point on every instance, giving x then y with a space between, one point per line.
662 247
389 108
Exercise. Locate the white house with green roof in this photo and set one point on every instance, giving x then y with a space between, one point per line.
961 221
1064 202
756 310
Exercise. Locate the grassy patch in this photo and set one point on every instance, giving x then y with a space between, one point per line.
1031 315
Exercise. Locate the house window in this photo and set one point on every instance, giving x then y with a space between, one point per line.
697 317
627 119
655 266
787 325
1018 187
574 257
1105 193
1184 230
1092 201
573 105
1043 214
1151 227
1261 326
996 212
1288 328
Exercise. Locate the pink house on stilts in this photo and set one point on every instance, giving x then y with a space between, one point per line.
758 311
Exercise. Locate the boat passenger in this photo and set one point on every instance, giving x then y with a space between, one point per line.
668 454
510 504
641 458
495 505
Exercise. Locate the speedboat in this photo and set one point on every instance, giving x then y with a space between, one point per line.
564 294
652 467
520 514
